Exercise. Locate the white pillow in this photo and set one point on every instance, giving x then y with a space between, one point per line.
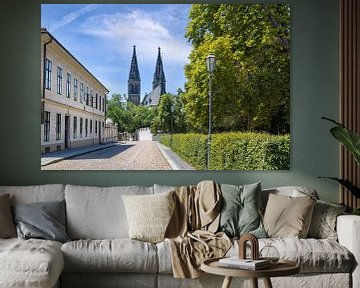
149 215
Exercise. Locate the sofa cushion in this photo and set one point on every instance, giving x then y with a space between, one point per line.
43 220
7 226
30 263
34 193
98 213
287 216
291 191
149 215
240 210
117 255
313 255
323 222
163 188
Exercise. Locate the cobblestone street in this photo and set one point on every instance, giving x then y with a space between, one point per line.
137 155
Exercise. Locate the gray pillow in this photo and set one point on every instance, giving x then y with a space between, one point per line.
7 227
44 220
240 213
323 222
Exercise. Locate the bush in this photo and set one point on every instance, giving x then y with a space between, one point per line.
233 151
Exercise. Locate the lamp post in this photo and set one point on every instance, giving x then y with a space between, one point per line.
210 65
172 109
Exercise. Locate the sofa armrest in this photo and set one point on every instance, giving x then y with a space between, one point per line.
348 230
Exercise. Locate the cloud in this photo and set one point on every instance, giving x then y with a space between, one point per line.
146 30
67 19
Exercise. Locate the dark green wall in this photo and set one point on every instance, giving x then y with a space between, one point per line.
314 93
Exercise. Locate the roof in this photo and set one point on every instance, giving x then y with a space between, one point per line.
153 98
44 31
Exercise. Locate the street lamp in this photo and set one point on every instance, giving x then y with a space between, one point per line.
172 109
210 65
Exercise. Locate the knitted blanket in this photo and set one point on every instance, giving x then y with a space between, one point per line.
191 232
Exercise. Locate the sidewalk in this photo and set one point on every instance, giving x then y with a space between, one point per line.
53 157
175 162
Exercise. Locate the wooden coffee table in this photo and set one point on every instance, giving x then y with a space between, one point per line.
281 268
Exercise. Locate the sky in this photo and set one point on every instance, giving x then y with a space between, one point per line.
101 37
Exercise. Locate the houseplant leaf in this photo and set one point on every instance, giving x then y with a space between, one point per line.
348 138
348 185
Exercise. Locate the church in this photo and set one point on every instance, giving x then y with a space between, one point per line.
134 82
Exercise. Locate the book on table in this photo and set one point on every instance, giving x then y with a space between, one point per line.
249 264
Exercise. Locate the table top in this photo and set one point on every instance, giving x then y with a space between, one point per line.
281 268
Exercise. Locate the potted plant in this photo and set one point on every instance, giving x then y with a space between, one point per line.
351 141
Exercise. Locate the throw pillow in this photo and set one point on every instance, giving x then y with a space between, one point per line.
240 213
44 220
7 226
323 222
149 215
288 217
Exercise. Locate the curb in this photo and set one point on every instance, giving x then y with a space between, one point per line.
76 154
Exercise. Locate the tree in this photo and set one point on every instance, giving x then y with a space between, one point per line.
169 115
163 115
251 80
127 115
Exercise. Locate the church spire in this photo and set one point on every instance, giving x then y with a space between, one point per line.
159 75
134 69
134 80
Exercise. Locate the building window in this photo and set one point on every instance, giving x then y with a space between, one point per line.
103 104
96 126
59 80
75 89
91 126
96 100
48 68
46 126
86 128
81 127
81 92
58 126
68 85
75 127
100 103
87 95
91 99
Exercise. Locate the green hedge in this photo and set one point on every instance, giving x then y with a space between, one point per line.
233 151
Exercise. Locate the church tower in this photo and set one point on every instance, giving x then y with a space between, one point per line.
134 80
159 75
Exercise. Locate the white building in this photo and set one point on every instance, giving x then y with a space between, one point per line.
72 102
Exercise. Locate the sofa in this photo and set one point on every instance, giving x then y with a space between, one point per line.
101 254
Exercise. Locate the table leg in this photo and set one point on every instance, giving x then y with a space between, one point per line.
254 282
267 283
227 282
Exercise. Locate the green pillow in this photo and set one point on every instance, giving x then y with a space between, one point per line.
240 213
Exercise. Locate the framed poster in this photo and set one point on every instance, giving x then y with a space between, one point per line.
165 87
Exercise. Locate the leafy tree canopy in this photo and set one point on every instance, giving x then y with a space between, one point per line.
127 115
251 83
